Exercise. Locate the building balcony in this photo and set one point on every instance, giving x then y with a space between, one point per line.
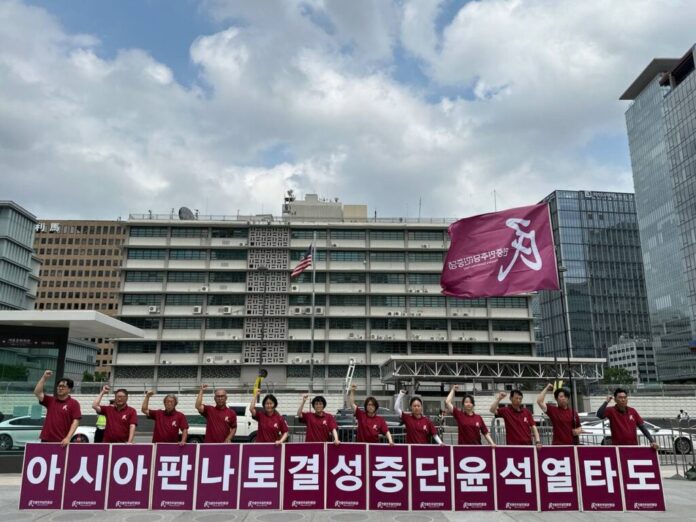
387 289
131 310
234 264
306 288
191 359
228 242
346 311
304 243
388 266
144 264
424 289
142 287
435 245
426 267
186 287
428 312
136 359
480 313
184 334
227 287
224 335
347 265
523 313
344 358
190 242
349 243
393 244
306 335
387 311
182 311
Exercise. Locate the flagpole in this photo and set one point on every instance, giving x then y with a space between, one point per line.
311 324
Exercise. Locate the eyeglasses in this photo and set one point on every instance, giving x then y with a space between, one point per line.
221 396
62 386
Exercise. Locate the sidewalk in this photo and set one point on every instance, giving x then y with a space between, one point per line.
679 495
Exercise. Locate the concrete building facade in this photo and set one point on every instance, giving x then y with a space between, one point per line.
18 266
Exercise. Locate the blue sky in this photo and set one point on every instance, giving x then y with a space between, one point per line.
227 104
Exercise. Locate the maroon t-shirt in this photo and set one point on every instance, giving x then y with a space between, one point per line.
418 431
369 428
219 422
118 423
517 425
59 417
562 422
318 427
167 425
623 425
271 427
470 427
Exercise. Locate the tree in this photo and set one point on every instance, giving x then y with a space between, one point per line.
617 376
87 377
100 377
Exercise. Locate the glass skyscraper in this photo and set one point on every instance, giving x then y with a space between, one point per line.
660 123
596 237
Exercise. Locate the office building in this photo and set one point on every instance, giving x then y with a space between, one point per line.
635 356
596 237
196 287
18 266
81 270
660 123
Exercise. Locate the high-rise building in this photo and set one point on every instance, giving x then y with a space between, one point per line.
596 237
636 356
660 123
18 266
213 293
81 270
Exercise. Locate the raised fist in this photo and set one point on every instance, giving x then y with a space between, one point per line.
204 387
106 388
150 393
609 398
353 387
502 395
402 392
305 396
47 374
455 387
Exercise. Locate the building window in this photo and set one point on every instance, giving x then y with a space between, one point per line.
224 323
222 347
179 347
137 347
347 300
470 324
146 323
387 324
189 232
346 323
145 253
424 279
425 235
307 234
347 347
387 257
347 234
229 232
188 255
387 278
225 255
386 235
347 277
425 257
182 323
227 277
347 256
510 326
427 301
142 299
303 323
226 299
429 324
507 302
148 231
184 299
186 277
144 277
306 300
389 347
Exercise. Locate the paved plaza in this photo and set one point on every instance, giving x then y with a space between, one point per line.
679 495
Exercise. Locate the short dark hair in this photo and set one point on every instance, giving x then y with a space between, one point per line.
414 399
620 390
272 398
319 398
516 392
470 397
123 390
565 391
373 401
68 382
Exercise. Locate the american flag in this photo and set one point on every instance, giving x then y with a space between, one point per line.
304 263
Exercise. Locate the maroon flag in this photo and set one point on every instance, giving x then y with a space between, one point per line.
502 253
42 476
642 481
346 471
86 473
304 263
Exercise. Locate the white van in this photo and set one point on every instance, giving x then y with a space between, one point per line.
246 426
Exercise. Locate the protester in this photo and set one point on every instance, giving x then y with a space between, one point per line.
624 420
320 425
470 425
518 420
370 425
221 420
419 428
100 425
63 413
565 421
121 419
271 424
168 422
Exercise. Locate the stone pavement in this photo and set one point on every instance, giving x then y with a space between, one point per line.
679 494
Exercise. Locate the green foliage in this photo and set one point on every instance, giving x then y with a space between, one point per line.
617 376
9 372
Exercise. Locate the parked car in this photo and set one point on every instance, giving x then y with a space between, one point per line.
345 417
598 432
246 426
16 432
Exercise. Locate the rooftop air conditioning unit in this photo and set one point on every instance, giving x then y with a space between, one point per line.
410 290
297 360
419 314
197 309
465 314
204 288
426 246
442 337
227 310
461 338
293 288
334 245
235 361
234 337
290 337
373 336
380 337
297 310
360 337
390 313
351 335
153 309
472 338
164 361
228 361
390 337
308 310
416 336
308 361
497 339
241 243
418 291
360 290
319 310
317 361
208 359
454 314
432 338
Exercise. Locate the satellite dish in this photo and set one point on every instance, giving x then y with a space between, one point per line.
185 214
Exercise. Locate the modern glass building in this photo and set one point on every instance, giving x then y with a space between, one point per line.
196 286
18 266
596 236
660 124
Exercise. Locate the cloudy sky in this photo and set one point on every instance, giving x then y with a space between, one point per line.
110 108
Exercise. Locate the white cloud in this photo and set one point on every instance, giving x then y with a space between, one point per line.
299 95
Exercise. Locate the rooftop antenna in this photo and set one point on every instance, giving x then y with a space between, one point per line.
495 201
185 214
420 202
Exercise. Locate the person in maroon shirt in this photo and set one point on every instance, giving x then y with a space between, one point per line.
320 425
624 420
518 420
419 428
121 419
168 421
564 419
470 425
221 420
370 425
271 424
63 413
